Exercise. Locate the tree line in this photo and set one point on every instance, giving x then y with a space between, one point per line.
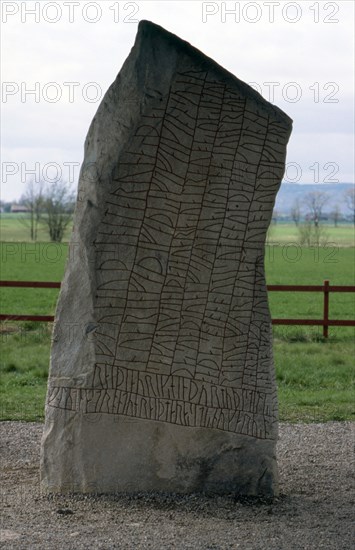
308 213
313 204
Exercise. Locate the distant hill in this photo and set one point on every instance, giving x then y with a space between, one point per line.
289 192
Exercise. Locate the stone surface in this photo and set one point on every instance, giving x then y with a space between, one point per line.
161 372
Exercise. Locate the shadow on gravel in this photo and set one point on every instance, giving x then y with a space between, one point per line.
200 504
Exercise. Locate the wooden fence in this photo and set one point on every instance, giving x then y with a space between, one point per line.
325 322
326 288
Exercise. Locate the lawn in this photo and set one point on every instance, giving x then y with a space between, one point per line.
14 227
314 376
31 262
342 235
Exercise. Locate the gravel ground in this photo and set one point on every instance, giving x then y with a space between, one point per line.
314 510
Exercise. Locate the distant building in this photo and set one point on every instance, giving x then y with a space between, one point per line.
18 208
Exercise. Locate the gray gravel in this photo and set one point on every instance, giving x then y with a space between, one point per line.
314 510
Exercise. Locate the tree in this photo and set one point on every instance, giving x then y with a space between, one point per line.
311 231
335 215
58 206
349 197
305 233
296 211
33 200
312 235
315 201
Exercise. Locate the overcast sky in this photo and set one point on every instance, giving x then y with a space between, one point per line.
68 53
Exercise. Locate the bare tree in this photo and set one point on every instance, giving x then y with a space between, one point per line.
312 235
296 211
349 197
305 233
33 200
315 201
335 215
58 209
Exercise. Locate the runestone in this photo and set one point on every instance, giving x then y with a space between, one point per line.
162 375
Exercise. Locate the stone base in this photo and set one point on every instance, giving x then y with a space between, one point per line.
108 454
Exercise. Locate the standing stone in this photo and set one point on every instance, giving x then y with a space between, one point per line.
161 372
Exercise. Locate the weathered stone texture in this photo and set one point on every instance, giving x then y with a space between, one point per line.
161 368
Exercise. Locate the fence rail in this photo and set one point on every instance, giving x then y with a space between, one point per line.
326 288
325 322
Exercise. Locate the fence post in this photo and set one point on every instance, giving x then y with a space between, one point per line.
326 309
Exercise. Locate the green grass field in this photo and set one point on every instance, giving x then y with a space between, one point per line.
314 376
343 235
13 228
